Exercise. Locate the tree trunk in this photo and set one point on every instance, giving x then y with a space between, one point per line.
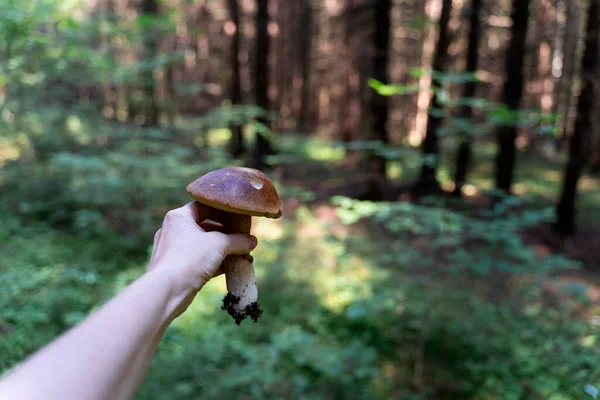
464 154
427 183
306 57
349 98
511 95
108 89
541 69
261 77
558 68
236 147
151 112
595 162
379 104
170 108
350 103
281 55
580 143
570 40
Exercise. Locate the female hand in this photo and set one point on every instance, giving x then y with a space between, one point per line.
190 251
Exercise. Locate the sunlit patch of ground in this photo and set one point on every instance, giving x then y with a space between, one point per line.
323 262
304 252
8 152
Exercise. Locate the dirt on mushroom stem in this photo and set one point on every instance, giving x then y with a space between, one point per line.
252 310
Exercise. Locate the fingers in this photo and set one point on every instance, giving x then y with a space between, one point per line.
209 220
239 243
155 246
156 238
209 226
197 212
219 271
202 212
187 210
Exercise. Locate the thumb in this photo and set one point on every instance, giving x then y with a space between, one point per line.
238 243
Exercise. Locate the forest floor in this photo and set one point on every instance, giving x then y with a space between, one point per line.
386 297
538 183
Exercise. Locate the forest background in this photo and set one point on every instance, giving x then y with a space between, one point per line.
438 162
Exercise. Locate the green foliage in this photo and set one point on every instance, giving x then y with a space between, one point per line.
50 281
390 90
460 243
479 348
92 177
419 22
345 317
406 155
496 114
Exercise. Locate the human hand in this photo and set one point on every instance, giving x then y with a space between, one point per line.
190 251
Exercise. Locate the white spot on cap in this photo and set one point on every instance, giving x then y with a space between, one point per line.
256 184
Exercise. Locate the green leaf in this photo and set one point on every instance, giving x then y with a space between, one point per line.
391 90
448 78
419 22
418 72
473 102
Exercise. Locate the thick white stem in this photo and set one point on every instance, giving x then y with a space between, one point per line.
241 282
242 299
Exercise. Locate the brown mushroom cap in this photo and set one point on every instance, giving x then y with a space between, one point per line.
238 190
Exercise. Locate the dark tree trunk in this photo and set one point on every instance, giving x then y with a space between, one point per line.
108 88
580 143
151 112
379 104
464 154
236 147
350 99
595 157
281 74
427 183
261 77
511 95
170 85
306 57
568 72
595 163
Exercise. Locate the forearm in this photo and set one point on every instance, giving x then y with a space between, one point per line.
107 355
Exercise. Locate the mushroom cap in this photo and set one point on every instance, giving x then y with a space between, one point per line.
238 190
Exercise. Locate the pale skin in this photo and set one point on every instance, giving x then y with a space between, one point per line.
108 355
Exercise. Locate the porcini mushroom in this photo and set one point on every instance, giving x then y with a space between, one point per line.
235 195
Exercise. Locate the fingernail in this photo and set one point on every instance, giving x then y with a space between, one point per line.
253 241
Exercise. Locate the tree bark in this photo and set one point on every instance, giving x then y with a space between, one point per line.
570 40
580 143
306 57
237 147
282 62
511 95
464 154
261 75
379 104
151 112
170 108
427 183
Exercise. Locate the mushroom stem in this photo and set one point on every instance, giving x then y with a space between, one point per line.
241 300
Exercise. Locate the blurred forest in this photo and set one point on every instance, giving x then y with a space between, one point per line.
439 163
